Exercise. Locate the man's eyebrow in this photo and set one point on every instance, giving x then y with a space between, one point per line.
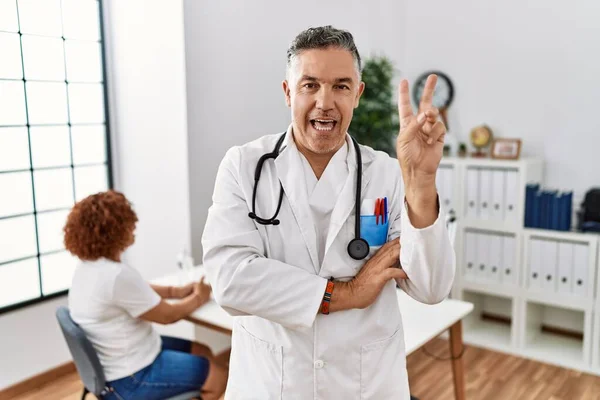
337 80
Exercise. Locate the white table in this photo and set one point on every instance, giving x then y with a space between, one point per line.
421 322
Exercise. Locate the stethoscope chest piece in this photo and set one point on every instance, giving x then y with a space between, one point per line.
358 249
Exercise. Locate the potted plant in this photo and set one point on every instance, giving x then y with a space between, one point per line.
446 150
462 149
375 121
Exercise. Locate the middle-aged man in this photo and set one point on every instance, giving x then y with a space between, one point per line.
315 300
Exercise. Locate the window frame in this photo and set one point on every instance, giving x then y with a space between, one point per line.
108 163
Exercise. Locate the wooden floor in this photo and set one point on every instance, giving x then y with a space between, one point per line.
489 376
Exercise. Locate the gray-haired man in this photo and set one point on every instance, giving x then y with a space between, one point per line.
302 241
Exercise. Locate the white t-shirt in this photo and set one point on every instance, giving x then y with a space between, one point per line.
105 299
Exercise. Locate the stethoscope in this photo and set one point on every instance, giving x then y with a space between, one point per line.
358 248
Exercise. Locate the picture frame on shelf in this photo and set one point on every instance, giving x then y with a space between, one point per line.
506 149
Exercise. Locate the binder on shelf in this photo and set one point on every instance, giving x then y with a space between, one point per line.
566 208
530 191
555 211
536 213
548 209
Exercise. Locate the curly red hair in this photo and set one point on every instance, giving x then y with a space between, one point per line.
101 225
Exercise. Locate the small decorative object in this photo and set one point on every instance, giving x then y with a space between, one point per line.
446 150
462 150
481 137
506 149
442 96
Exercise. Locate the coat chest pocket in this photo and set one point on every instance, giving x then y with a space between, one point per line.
256 368
383 369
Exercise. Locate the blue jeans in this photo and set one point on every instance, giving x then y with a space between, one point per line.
174 371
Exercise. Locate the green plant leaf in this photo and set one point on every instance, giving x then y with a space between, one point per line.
375 121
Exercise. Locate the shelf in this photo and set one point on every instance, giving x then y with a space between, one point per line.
491 225
571 236
557 335
489 288
490 162
596 342
554 349
488 334
491 323
560 300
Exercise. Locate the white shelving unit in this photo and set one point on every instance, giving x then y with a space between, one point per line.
596 320
534 290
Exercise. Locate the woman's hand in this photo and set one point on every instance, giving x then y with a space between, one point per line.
202 291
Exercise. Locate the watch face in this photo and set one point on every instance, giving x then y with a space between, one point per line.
442 96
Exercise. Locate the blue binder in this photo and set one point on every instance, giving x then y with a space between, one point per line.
530 192
556 212
536 210
566 209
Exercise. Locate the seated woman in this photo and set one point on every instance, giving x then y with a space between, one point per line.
115 307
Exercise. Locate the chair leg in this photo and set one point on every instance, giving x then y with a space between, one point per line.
85 392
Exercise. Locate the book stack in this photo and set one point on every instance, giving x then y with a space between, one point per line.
548 209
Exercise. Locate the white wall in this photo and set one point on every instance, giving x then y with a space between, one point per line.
526 68
235 62
147 83
31 342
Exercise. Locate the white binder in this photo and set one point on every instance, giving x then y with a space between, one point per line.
449 190
485 193
498 185
483 251
439 181
535 253
509 260
470 256
565 268
511 195
580 269
472 193
549 255
495 257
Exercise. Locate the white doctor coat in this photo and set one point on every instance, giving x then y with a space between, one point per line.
271 279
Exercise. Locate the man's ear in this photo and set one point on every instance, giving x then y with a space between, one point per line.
361 89
286 91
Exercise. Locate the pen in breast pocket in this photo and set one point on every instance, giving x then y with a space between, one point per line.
385 214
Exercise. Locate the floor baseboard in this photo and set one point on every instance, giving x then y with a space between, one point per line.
37 381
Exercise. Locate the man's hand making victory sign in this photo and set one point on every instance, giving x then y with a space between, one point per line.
419 149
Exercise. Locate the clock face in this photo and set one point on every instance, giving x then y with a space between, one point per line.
443 94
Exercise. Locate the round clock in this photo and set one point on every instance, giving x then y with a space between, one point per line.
443 94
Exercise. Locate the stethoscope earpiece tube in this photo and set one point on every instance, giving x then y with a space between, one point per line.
360 246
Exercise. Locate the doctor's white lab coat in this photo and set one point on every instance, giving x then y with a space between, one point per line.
272 280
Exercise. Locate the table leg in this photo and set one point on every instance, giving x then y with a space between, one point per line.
456 351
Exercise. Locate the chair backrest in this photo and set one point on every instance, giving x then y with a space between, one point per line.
83 353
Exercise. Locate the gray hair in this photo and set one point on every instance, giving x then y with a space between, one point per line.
323 37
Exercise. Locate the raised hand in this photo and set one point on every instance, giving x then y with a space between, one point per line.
420 142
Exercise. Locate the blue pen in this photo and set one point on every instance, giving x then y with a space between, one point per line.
385 216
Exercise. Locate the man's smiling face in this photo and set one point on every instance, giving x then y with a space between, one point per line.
322 89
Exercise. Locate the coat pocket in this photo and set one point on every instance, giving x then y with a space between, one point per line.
383 369
256 367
